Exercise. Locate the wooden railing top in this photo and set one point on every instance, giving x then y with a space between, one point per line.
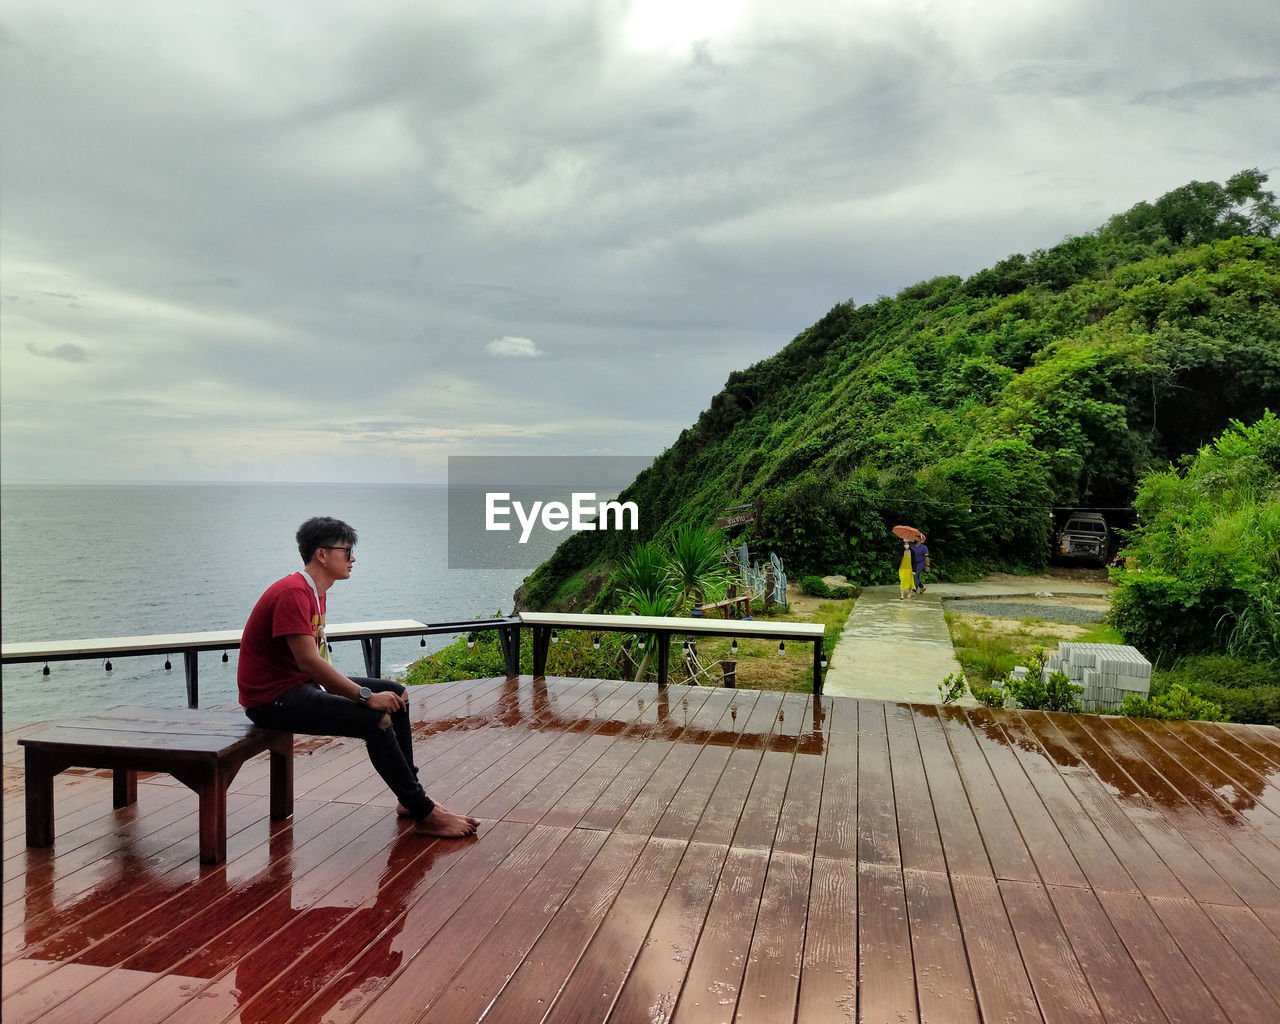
676 624
206 640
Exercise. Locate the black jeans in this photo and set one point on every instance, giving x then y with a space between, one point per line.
310 710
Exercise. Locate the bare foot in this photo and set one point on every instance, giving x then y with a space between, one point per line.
403 811
446 824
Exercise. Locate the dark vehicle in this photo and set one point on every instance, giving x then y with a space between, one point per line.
1084 537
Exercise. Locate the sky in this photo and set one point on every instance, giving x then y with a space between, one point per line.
339 241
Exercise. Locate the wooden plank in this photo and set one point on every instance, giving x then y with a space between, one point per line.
593 987
877 811
944 984
1056 977
650 991
1236 988
723 811
828 976
1248 793
625 786
1256 760
919 840
1122 993
1243 857
1005 844
495 959
961 839
534 790
650 805
367 941
280 944
548 965
1000 980
886 975
711 988
771 982
1099 863
1183 994
1151 814
1252 941
694 798
1053 860
837 832
676 625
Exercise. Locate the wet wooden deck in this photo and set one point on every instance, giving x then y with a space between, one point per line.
703 855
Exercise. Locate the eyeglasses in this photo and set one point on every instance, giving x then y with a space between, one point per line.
346 551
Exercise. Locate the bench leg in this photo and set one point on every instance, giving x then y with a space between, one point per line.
282 780
213 819
124 787
40 771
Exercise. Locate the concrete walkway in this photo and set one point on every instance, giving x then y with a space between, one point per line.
892 649
901 650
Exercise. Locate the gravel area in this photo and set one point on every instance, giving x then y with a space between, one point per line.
1025 610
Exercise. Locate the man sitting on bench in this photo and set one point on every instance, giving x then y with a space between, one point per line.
288 682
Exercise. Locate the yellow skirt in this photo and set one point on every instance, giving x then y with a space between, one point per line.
905 579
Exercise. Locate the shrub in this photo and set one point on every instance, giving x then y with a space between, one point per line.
952 688
1041 692
815 586
1245 691
1206 553
1175 704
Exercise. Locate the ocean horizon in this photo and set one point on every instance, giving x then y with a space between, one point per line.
88 560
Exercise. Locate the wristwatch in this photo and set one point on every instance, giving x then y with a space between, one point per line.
364 694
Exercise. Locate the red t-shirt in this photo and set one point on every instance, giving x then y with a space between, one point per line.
266 668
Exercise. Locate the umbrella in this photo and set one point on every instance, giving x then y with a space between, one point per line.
907 532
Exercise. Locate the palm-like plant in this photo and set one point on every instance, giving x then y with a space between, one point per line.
696 564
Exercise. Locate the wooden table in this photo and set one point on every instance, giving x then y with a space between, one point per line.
201 749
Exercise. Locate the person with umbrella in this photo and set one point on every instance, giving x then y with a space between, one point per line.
919 562
906 574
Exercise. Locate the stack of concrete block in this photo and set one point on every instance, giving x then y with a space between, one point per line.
1106 671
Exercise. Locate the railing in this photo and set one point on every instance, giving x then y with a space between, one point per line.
664 627
190 645
371 635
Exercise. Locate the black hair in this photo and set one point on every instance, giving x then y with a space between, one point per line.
322 530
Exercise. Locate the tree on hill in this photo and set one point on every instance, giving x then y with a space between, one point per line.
1202 574
972 408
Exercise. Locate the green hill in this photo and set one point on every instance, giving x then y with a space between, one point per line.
975 408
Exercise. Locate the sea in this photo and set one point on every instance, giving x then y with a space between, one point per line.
82 561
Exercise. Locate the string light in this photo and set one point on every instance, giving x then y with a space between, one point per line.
782 648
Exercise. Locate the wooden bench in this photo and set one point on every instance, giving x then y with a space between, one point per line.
729 607
201 749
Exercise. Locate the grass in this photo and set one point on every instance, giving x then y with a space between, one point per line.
987 652
759 666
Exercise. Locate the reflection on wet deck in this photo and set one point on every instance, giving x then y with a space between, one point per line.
696 854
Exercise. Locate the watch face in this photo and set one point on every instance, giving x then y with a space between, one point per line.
365 693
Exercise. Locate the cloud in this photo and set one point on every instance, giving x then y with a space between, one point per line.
1211 89
68 352
280 215
509 347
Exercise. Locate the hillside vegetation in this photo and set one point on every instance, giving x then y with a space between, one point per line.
973 408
